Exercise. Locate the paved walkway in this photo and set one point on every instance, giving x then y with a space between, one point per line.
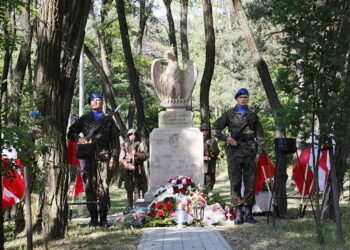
173 238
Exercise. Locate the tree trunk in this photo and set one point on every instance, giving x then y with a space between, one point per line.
209 61
61 35
108 89
21 65
334 181
183 32
172 32
275 104
104 15
132 72
144 14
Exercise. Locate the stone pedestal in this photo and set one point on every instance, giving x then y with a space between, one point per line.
176 148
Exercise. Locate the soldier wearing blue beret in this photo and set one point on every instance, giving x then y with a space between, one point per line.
243 152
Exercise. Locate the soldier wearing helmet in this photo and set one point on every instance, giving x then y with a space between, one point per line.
211 152
132 155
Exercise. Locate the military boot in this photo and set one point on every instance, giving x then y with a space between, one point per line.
248 214
239 215
94 219
103 219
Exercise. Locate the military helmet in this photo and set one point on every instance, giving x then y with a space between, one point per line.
204 126
131 131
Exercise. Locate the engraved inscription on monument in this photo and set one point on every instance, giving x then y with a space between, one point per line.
174 152
175 119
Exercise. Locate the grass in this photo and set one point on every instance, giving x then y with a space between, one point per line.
288 233
79 236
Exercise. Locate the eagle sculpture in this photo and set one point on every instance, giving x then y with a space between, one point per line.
173 86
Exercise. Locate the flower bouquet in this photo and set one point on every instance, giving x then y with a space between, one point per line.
175 202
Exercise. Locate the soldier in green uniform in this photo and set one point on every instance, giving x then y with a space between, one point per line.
132 155
211 152
99 129
243 152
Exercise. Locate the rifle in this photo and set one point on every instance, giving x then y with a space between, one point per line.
244 124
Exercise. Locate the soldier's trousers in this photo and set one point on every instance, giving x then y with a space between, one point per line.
97 177
133 186
242 168
209 180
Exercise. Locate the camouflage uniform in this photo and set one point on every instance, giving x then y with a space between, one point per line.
212 151
241 158
97 174
131 158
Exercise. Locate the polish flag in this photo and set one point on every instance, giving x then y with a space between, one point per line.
303 173
71 153
307 161
13 184
79 186
264 170
323 169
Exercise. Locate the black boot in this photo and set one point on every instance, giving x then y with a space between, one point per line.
103 219
248 214
94 219
239 215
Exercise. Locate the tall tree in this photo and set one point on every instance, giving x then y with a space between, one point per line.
133 75
16 84
172 30
209 61
183 31
61 36
145 11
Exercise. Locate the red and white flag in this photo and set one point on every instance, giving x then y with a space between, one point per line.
71 153
323 169
264 170
13 183
79 186
307 160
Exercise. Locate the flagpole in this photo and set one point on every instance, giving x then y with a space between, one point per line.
29 229
81 112
267 185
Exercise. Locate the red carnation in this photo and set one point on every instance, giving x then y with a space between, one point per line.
160 213
171 214
178 181
152 214
183 191
158 204
168 206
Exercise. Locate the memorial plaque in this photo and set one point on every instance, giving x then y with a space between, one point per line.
175 119
174 152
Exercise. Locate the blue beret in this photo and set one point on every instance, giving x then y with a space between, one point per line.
242 91
93 96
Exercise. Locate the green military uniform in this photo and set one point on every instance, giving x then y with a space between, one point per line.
97 174
241 158
211 152
131 158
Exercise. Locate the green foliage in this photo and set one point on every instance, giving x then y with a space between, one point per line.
313 70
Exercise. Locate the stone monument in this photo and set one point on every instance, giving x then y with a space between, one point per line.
176 147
